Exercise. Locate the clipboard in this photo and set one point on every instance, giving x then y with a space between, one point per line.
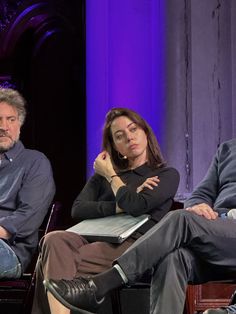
113 229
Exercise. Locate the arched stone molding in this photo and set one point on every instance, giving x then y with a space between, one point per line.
33 17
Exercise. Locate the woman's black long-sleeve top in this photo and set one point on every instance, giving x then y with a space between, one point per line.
98 200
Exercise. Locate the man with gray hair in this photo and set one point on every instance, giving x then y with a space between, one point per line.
26 189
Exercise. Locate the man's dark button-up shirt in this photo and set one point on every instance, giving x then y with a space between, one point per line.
26 191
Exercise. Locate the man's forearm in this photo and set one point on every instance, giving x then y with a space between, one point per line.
4 234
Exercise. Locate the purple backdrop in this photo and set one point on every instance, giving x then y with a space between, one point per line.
124 64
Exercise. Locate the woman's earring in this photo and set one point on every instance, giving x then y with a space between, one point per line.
121 157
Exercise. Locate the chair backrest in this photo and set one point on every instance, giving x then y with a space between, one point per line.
177 205
50 222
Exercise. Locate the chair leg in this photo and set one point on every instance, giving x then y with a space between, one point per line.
28 301
116 302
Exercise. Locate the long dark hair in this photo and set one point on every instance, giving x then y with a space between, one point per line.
154 156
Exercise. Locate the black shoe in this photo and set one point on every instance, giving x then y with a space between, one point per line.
78 294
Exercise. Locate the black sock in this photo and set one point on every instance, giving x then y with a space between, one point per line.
107 281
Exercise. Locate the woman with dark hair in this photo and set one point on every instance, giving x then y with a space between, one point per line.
154 156
131 177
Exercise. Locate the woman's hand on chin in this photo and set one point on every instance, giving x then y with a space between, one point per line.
103 165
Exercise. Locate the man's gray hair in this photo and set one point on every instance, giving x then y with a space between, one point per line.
14 99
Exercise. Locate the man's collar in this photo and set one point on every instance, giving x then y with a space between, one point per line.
14 151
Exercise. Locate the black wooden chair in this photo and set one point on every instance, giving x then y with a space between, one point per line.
16 295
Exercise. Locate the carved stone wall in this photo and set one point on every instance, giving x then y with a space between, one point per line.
200 93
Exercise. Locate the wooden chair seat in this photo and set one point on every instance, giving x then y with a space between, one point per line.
212 294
